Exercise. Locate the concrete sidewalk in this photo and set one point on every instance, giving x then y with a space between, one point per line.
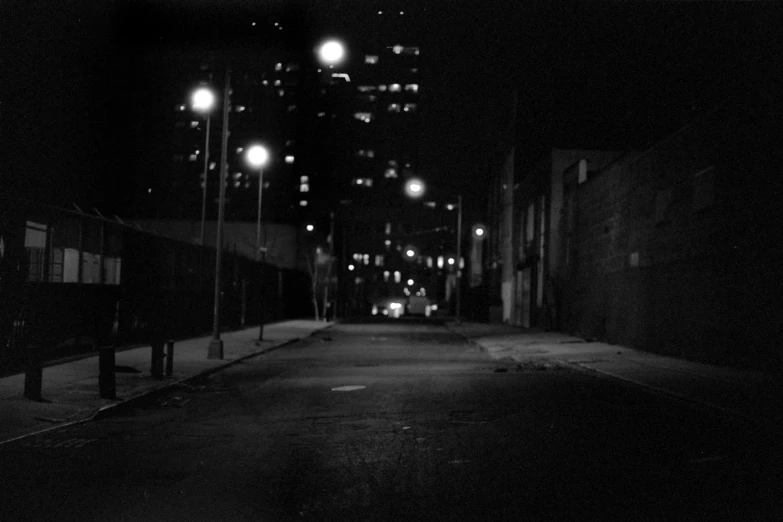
70 390
748 394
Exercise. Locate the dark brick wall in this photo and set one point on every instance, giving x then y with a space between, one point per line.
677 250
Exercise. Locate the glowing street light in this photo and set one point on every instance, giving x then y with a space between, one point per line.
202 100
410 252
257 156
414 187
410 282
331 52
310 228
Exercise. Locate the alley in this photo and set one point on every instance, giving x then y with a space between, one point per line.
396 421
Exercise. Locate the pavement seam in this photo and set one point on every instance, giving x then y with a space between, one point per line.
103 410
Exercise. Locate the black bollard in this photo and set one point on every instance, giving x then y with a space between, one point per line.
156 364
170 357
33 375
107 376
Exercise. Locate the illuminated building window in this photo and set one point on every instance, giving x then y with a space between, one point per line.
394 107
265 83
390 173
371 58
387 243
397 277
414 70
237 184
366 88
429 261
304 187
292 108
440 261
386 276
193 157
289 159
362 182
409 107
366 259
281 92
193 124
382 88
365 153
397 49
278 67
412 87
239 150
395 87
277 83
388 229
182 107
212 165
237 175
378 260
392 163
240 108
366 117
292 66
430 204
304 179
303 203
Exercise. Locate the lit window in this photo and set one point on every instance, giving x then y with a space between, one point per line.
321 114
265 83
385 276
193 124
193 157
303 203
430 204
278 66
289 159
397 49
366 259
412 87
304 179
240 108
237 184
382 88
394 107
237 175
371 58
429 261
290 67
304 187
212 165
281 92
379 260
392 163
390 174
388 229
292 108
395 87
277 83
414 70
366 117
239 150
440 261
366 88
410 107
397 277
387 242
363 182
182 107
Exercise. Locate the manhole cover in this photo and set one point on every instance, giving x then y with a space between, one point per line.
348 388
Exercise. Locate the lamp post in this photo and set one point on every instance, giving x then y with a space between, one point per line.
415 188
215 350
257 156
203 100
331 52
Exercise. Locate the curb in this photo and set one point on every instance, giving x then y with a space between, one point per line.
109 409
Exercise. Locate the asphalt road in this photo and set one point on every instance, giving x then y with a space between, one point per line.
428 428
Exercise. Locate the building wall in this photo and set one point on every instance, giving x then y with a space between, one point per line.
674 250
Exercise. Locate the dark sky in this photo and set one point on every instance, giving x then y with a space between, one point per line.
80 77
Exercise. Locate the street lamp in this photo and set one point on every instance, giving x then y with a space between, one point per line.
215 350
331 52
415 188
257 156
202 100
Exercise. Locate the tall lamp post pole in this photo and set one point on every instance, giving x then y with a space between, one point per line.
459 255
258 156
203 100
216 344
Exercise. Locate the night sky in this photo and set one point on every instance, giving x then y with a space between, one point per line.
88 85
